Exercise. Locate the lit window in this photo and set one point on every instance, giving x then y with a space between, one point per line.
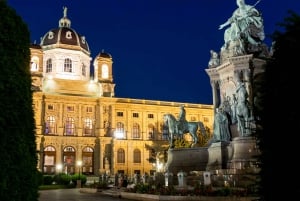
136 131
70 126
49 66
68 65
121 156
88 126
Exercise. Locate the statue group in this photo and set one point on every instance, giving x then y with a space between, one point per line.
245 31
233 111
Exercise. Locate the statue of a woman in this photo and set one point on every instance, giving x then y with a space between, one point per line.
246 24
221 126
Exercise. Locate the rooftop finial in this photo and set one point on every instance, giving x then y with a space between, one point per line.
65 11
64 21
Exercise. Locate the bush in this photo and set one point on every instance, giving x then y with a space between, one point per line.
47 180
76 177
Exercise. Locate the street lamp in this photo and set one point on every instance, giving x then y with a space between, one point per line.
79 163
59 168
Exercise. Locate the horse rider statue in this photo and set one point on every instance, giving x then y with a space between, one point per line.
181 121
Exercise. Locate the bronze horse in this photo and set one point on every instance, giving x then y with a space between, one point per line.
190 127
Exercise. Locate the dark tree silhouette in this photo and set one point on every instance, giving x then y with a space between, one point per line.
18 172
280 116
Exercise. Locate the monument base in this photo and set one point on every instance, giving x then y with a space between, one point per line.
218 154
244 153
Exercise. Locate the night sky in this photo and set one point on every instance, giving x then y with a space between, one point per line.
160 48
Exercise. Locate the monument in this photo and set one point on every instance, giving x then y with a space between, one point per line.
232 71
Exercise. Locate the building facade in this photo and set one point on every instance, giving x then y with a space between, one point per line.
81 125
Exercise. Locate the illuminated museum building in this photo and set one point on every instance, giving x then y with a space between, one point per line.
79 118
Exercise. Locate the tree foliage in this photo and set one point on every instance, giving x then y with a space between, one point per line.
18 173
279 116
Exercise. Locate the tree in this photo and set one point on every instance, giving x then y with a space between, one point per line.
280 115
18 172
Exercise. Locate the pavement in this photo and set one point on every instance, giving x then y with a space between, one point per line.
79 194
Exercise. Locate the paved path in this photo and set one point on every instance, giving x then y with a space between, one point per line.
75 195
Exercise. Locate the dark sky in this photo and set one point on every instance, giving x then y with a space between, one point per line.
160 48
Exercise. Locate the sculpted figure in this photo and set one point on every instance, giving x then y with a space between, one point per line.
214 59
181 119
242 109
246 24
221 126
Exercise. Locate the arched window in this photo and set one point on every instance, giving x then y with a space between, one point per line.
50 127
150 131
49 66
136 156
87 160
70 126
83 69
136 131
34 63
68 65
121 156
119 132
87 127
69 160
104 71
49 160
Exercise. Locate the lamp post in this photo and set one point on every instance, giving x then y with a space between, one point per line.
79 163
58 168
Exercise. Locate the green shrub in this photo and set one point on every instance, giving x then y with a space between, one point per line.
75 177
47 179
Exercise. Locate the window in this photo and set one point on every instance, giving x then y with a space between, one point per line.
135 115
89 109
150 131
69 35
34 66
120 114
50 107
136 156
87 160
105 71
68 65
121 156
83 70
193 118
49 160
49 66
150 116
120 132
136 131
70 126
50 126
205 119
88 127
70 108
69 160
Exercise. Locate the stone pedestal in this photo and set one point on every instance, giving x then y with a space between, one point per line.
218 154
181 179
244 153
168 179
